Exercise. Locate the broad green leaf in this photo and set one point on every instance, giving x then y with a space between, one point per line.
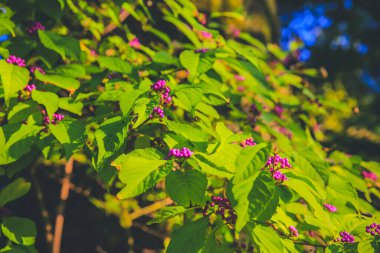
344 189
66 46
18 143
211 244
187 131
189 238
186 187
68 104
147 183
71 134
164 58
71 70
248 181
19 230
63 82
48 99
167 213
115 64
14 190
13 79
135 167
265 239
196 63
110 138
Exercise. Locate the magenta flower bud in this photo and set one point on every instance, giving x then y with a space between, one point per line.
293 231
135 43
16 61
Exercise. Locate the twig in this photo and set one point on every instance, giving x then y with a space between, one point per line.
73 187
44 212
310 244
122 16
65 189
148 230
150 209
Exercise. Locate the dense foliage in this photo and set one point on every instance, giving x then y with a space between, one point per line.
218 132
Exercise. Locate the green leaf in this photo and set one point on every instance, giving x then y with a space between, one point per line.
265 239
165 58
189 238
65 46
110 138
19 142
135 169
252 191
186 187
63 82
167 213
191 133
71 134
196 63
70 105
19 230
115 64
48 99
13 79
71 70
211 244
14 190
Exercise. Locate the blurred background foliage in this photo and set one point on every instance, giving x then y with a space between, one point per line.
342 36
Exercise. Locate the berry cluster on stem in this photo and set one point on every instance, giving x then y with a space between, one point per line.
180 153
369 175
34 68
164 91
16 61
30 87
373 229
56 118
293 231
35 26
345 237
221 206
135 43
276 162
330 208
248 142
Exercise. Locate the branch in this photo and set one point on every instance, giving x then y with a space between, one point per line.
65 189
148 230
310 244
122 16
150 209
44 212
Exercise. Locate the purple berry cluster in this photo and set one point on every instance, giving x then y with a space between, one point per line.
345 237
201 50
34 68
278 110
161 88
157 111
330 208
279 176
30 87
275 163
373 229
221 206
16 61
248 142
370 175
293 231
56 118
180 153
35 26
165 98
135 43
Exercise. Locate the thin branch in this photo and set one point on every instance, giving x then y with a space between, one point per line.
148 230
73 187
150 209
310 244
44 212
65 189
123 15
